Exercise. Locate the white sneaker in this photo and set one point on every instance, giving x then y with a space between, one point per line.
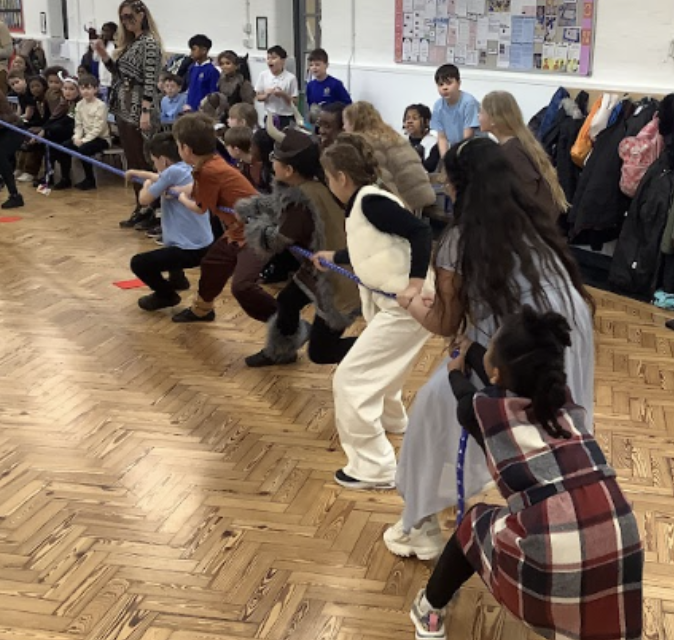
17 173
25 177
429 623
426 542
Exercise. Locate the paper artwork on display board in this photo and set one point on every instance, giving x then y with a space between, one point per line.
547 36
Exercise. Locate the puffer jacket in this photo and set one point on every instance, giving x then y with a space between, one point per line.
403 173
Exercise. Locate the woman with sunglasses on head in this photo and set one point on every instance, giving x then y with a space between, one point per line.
134 97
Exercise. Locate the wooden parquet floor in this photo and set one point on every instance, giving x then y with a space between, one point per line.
153 488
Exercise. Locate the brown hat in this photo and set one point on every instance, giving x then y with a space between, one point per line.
293 144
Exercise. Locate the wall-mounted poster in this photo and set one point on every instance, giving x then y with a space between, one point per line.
547 36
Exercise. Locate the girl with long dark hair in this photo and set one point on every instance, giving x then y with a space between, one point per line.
499 254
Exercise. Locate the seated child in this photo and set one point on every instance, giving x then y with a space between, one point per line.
417 123
29 159
173 102
324 89
234 81
564 556
239 142
278 88
455 114
91 135
203 75
330 123
243 115
217 184
186 235
19 86
301 211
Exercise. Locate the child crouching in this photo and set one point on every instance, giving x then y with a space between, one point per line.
301 211
186 235
565 555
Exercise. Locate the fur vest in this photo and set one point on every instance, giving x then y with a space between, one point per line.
335 297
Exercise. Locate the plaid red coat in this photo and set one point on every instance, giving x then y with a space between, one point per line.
565 555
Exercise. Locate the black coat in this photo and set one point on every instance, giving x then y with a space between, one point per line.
599 205
636 262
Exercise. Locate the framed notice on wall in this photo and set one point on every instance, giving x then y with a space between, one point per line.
11 13
544 36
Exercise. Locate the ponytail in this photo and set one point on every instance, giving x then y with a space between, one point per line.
529 352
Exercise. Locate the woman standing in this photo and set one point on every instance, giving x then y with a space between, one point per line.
500 254
134 96
400 166
501 116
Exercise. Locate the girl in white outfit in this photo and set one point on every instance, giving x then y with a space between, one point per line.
501 252
389 250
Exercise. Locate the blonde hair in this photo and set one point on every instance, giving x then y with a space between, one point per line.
352 155
506 115
125 38
367 121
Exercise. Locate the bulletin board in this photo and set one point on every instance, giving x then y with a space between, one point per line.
11 13
539 36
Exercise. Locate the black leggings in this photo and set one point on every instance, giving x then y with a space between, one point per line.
326 346
10 143
88 149
450 574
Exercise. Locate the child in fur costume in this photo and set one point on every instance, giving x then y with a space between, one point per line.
301 211
564 556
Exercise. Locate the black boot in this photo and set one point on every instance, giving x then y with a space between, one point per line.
63 184
139 214
14 202
88 184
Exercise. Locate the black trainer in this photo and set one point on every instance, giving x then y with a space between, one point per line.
261 359
138 214
670 324
153 302
86 185
180 284
148 223
187 315
13 202
62 185
347 481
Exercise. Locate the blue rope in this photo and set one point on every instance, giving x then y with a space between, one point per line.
460 463
337 269
118 172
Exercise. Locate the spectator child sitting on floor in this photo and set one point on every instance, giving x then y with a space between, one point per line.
243 115
203 76
323 89
278 88
330 123
19 86
455 114
173 103
91 136
217 184
565 555
239 143
186 235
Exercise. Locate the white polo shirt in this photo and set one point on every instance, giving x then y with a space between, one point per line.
285 81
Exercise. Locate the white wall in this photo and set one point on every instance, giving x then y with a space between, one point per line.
221 20
631 54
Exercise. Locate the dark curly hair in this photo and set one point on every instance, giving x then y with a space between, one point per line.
529 352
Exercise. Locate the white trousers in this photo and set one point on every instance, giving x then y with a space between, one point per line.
368 388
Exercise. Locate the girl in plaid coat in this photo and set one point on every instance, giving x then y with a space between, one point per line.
564 556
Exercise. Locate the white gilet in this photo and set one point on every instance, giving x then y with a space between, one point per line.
381 260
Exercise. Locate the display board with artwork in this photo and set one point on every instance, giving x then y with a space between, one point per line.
553 36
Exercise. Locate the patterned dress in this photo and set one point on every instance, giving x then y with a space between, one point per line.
565 555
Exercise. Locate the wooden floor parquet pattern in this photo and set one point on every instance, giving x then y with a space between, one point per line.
154 488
